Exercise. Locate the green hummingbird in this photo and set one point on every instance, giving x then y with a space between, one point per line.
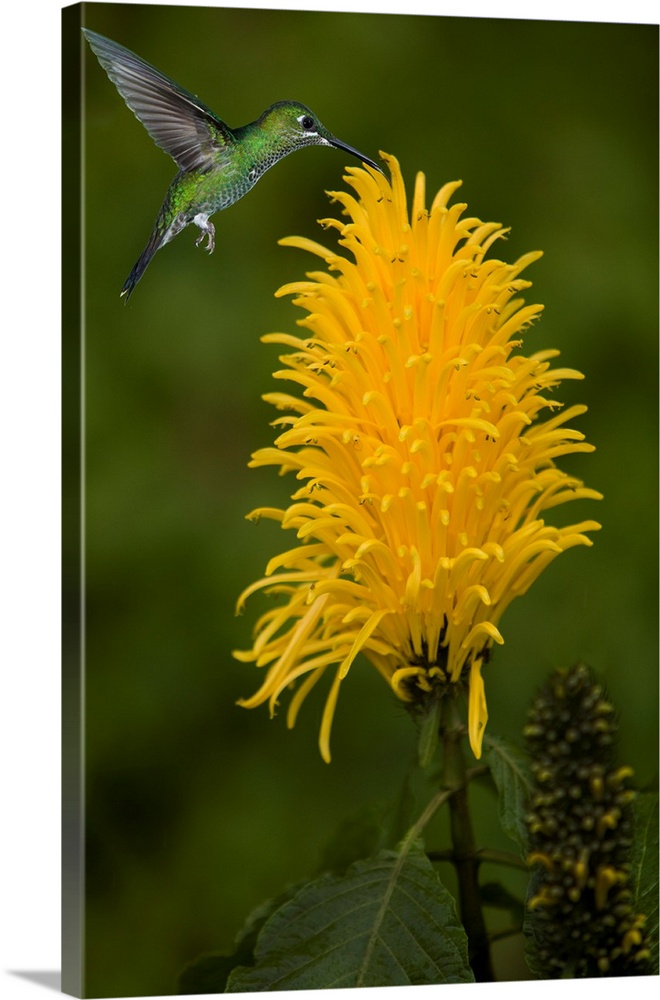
217 164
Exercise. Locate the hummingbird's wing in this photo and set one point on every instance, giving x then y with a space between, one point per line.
175 119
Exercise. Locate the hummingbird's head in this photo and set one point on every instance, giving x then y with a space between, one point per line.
300 127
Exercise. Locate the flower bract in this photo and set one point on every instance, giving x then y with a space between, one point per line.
423 439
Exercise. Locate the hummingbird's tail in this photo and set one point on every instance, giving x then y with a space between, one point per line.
156 241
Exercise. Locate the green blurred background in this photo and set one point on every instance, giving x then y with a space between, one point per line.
198 810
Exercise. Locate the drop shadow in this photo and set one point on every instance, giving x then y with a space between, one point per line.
49 980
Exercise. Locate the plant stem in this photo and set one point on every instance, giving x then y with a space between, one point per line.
465 856
483 855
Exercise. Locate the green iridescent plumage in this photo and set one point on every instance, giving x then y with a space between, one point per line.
217 165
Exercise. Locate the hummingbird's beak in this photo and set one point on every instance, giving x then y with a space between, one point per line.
354 152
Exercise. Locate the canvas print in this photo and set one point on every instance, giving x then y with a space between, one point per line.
360 500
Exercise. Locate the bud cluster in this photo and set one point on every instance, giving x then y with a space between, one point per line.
580 827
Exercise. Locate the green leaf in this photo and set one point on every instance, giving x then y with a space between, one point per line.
372 827
359 835
403 810
388 922
534 928
644 873
209 973
513 780
429 732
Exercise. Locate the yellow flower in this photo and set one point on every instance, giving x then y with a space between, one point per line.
424 464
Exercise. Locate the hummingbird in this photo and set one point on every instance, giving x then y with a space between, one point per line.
217 164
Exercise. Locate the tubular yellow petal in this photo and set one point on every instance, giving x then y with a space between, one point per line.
301 694
360 640
477 709
400 678
301 243
328 715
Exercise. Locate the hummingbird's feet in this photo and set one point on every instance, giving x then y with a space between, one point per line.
208 230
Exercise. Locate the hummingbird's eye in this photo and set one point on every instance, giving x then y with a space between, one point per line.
307 123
